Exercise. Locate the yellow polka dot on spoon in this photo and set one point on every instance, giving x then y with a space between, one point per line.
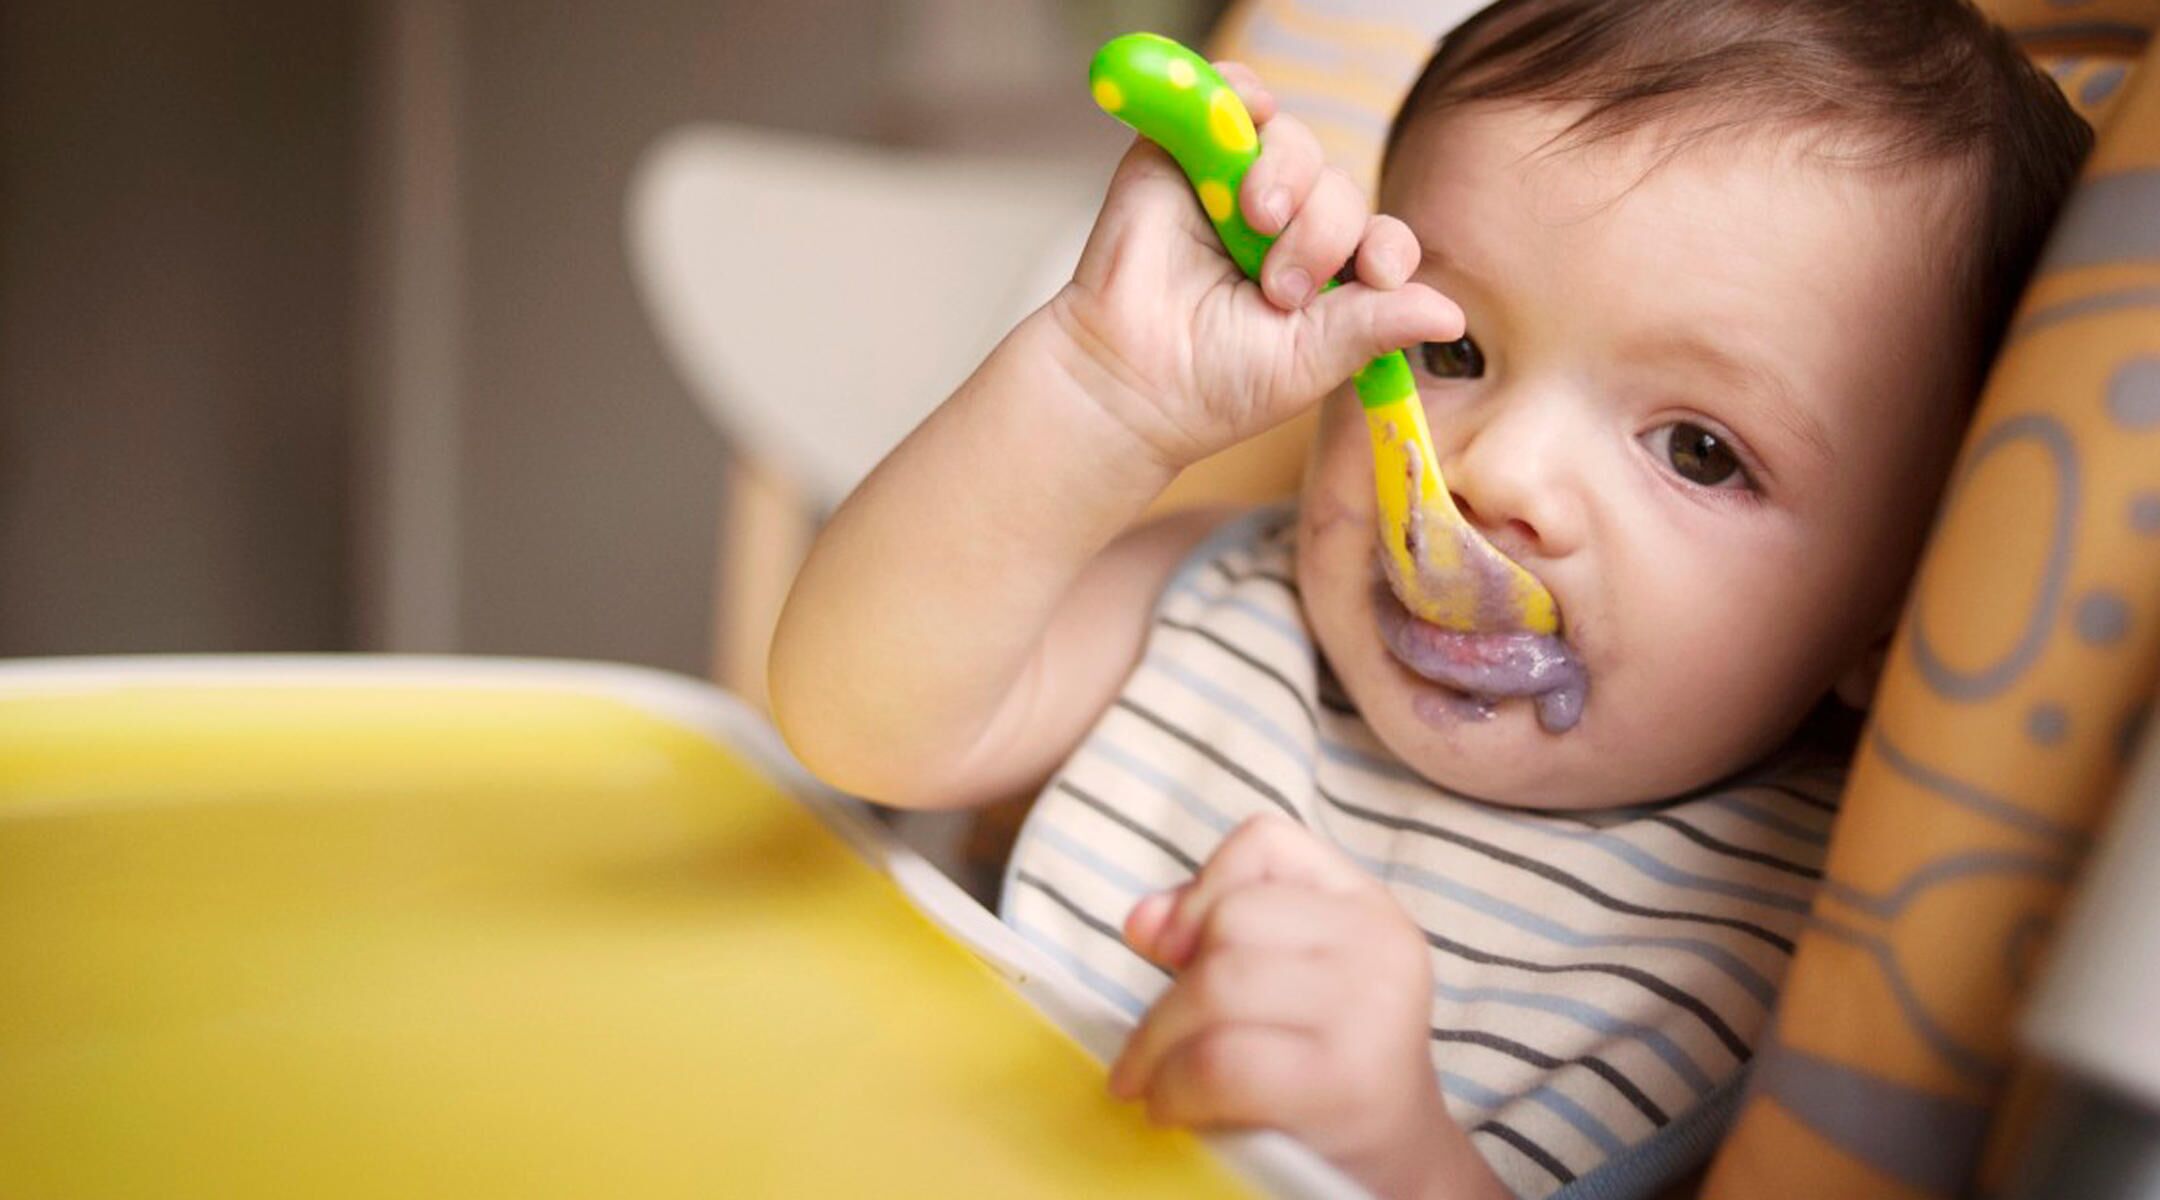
1228 122
1215 198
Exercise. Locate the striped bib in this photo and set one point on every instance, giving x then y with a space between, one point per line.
1600 976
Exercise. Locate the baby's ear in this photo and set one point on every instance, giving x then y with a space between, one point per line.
1855 689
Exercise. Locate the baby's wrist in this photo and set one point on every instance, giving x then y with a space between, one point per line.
1036 408
1437 1163
1099 375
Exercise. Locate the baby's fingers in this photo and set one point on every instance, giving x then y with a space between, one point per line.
1281 179
1265 849
1321 237
1243 986
1355 324
1388 255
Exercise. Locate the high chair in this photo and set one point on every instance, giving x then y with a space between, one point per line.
366 927
2017 689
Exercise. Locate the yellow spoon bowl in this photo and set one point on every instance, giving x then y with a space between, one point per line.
1438 564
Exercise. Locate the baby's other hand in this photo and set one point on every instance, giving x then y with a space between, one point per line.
1302 1003
1191 356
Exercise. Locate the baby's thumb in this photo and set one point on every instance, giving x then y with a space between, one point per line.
1148 181
1355 324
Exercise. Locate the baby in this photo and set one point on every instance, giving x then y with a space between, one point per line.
1699 293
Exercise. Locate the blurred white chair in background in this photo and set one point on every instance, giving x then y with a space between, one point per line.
819 298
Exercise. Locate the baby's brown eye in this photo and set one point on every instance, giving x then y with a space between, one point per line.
1459 359
1702 457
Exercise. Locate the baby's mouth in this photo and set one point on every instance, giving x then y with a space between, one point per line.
1486 667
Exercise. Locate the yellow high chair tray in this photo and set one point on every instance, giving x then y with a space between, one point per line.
280 927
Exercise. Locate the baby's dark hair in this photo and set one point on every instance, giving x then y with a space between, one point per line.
1899 82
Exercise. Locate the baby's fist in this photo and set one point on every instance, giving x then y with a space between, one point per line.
1190 355
1302 1003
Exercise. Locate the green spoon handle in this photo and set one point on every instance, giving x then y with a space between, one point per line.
1176 99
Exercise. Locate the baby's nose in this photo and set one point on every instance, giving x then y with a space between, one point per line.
1509 534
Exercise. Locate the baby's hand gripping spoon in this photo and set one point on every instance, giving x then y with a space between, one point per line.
1439 566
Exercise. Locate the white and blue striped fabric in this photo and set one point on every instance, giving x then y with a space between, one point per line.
1600 976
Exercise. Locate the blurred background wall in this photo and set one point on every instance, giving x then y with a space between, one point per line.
315 326
177 254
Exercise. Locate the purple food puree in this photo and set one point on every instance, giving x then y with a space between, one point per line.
1500 661
1487 667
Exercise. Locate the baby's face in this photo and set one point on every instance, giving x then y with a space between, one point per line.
1715 405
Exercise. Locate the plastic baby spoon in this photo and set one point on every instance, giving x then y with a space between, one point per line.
1438 565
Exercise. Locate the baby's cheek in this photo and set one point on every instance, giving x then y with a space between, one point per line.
1338 481
1728 675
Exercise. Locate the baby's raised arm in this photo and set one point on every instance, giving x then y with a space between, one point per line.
957 616
972 608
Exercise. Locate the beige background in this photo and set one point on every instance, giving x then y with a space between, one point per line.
315 325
